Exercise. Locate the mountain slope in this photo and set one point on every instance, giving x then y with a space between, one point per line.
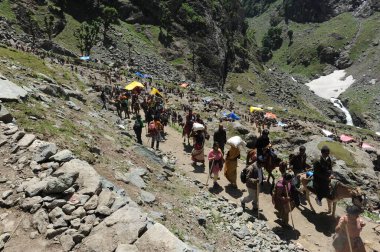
342 36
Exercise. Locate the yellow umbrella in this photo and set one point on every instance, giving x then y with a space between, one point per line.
134 85
252 109
155 92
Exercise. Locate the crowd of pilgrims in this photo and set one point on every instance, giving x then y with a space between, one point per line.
285 196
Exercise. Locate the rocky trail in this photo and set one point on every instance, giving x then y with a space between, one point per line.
313 231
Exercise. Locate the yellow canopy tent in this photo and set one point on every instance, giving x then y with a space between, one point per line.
134 85
253 109
156 92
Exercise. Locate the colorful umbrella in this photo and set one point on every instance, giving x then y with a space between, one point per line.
270 115
156 92
134 85
253 109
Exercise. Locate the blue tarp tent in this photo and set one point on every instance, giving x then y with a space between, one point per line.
233 116
139 74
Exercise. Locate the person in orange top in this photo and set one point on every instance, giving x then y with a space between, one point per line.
154 129
353 225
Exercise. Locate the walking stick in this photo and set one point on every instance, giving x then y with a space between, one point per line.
290 208
348 237
258 197
209 173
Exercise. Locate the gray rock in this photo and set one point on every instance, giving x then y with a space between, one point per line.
92 203
123 226
10 91
75 223
18 135
61 183
147 197
89 180
56 217
44 152
67 242
106 198
126 248
51 232
132 178
28 203
159 238
79 212
55 203
68 209
5 115
6 194
40 221
157 215
62 156
120 201
103 210
73 106
26 140
240 128
85 229
251 140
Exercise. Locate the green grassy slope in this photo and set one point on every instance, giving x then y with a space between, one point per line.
336 32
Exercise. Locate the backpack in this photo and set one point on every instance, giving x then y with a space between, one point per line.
243 175
137 125
152 127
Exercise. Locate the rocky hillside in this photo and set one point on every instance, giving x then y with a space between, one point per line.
307 39
176 40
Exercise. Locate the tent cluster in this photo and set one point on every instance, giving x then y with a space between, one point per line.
346 139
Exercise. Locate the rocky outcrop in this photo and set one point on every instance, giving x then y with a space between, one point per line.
319 11
10 91
73 205
5 116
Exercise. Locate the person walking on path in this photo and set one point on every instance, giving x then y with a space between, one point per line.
137 127
349 225
103 97
215 157
322 175
262 142
298 163
220 137
282 198
154 129
253 178
230 166
198 153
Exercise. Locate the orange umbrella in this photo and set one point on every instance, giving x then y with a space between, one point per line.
270 115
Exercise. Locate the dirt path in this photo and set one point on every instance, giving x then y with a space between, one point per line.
312 231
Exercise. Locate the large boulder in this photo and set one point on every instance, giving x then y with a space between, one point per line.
124 226
159 238
10 91
43 150
5 116
62 156
26 140
60 183
89 180
251 140
240 128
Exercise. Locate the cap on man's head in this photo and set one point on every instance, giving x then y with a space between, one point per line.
302 148
288 176
265 132
325 149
